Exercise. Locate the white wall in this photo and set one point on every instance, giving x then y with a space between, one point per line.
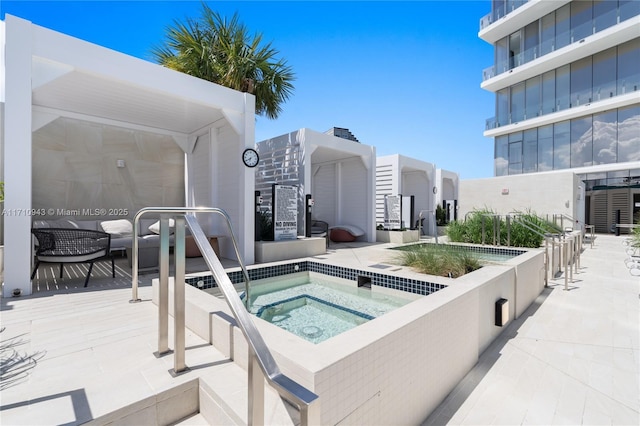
541 193
354 194
325 195
234 184
75 170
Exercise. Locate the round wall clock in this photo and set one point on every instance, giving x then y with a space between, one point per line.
250 157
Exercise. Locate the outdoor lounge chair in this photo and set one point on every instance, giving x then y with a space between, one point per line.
320 228
344 233
66 245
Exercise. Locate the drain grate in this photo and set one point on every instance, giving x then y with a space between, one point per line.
380 266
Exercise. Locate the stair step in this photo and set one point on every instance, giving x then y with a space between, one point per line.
195 420
223 399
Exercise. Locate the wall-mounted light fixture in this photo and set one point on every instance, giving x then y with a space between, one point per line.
502 312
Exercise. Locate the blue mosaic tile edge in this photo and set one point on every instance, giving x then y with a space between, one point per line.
383 280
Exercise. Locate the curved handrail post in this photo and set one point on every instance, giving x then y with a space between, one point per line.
260 357
184 211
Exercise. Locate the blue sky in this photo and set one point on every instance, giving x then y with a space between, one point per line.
402 76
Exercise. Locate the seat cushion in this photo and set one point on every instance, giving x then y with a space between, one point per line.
117 228
155 227
338 235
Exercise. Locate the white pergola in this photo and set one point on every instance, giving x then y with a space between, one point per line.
48 75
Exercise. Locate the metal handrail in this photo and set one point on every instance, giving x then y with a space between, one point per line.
533 227
179 210
496 227
260 358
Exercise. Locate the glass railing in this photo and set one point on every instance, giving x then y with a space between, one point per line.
497 14
575 35
621 87
486 20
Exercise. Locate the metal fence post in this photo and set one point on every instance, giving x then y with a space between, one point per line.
163 287
565 260
179 297
256 391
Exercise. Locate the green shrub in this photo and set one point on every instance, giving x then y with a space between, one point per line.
470 230
266 227
439 260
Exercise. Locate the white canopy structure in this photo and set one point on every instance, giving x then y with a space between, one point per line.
51 78
338 173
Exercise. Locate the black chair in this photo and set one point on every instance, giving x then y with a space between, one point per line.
320 228
71 245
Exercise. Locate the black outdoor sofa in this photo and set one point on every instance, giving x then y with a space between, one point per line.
69 245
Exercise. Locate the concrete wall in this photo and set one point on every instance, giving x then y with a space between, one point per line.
542 193
75 170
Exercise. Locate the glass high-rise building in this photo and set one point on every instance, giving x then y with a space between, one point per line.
566 75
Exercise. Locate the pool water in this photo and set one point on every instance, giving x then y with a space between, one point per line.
317 308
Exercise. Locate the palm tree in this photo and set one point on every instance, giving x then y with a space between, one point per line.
222 51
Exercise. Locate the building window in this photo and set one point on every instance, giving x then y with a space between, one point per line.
581 83
531 41
568 24
530 151
605 14
604 74
502 101
563 26
515 153
548 92
609 73
628 9
581 142
628 69
545 148
532 97
561 146
629 134
501 162
563 88
517 103
605 137
581 19
609 137
548 34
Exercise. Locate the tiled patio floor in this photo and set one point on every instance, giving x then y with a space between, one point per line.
573 358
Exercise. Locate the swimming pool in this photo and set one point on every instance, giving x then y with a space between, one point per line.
316 307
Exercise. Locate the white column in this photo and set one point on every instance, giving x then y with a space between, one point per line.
17 158
371 197
246 234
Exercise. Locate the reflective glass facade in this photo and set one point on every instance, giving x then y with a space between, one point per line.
597 87
606 74
568 24
603 138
